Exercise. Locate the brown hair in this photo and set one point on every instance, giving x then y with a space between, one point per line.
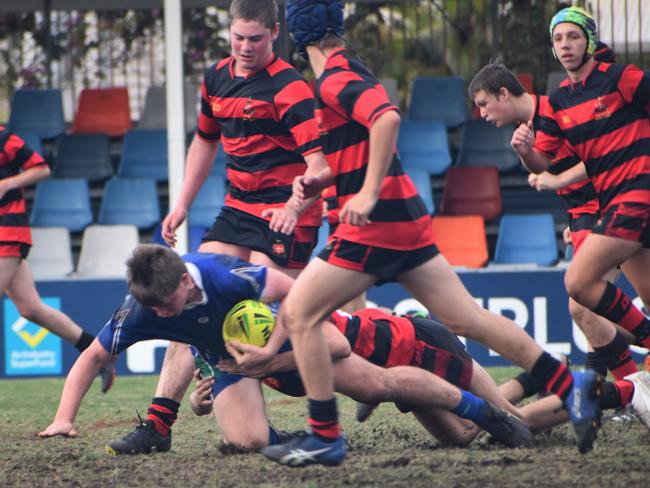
153 273
491 78
263 11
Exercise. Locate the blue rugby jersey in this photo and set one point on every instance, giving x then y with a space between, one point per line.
225 281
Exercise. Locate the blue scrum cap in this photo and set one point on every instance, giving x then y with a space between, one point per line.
309 20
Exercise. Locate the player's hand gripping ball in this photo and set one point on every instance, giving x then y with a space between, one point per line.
249 322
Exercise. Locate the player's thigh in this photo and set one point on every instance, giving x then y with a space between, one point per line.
637 271
218 247
22 289
257 257
321 288
598 255
360 380
8 268
241 416
447 427
176 372
437 286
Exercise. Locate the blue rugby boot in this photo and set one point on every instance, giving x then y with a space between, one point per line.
583 405
307 449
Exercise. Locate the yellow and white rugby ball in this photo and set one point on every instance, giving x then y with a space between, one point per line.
249 322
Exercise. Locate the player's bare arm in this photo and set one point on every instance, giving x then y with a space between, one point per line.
523 139
383 139
76 385
200 159
24 178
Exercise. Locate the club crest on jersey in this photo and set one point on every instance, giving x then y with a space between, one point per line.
601 109
249 109
203 320
216 106
279 249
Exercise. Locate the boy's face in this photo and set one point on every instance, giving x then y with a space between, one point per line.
495 109
174 304
570 45
251 44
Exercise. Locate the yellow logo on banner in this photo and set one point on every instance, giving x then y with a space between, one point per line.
32 340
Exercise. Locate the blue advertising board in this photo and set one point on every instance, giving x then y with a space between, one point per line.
536 300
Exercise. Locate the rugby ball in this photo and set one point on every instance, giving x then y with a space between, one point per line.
249 322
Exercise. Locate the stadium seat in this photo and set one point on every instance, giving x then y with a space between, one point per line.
423 144
484 144
62 203
195 234
553 80
105 249
104 111
526 239
527 81
33 140
422 182
472 191
83 156
462 239
438 98
50 257
208 202
131 201
390 85
323 236
144 155
38 111
154 112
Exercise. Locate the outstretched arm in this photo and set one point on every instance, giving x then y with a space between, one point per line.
76 385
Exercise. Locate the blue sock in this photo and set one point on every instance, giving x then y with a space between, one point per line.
274 438
472 408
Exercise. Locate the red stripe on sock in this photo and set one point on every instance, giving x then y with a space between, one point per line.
625 391
159 424
626 366
330 429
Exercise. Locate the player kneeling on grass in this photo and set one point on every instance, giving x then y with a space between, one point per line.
416 363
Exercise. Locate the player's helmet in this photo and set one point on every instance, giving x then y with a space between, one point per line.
582 19
309 20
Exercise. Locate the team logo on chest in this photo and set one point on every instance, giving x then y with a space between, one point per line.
249 110
601 109
203 320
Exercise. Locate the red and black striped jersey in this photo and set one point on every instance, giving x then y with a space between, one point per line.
15 156
266 124
580 197
349 101
383 339
605 120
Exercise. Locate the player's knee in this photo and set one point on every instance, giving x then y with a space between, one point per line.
577 311
575 285
293 319
29 311
248 442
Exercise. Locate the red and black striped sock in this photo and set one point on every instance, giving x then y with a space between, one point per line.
618 357
163 412
554 374
324 419
616 394
617 307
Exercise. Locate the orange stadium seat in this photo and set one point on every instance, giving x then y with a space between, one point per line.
461 239
103 110
472 191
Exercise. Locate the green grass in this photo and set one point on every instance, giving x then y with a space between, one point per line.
389 450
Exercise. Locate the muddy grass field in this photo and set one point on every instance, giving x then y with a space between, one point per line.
390 449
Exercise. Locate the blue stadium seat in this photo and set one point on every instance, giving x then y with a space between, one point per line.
219 165
323 234
423 184
83 156
424 144
526 239
438 98
208 202
33 140
144 155
38 111
62 203
486 145
195 234
131 201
